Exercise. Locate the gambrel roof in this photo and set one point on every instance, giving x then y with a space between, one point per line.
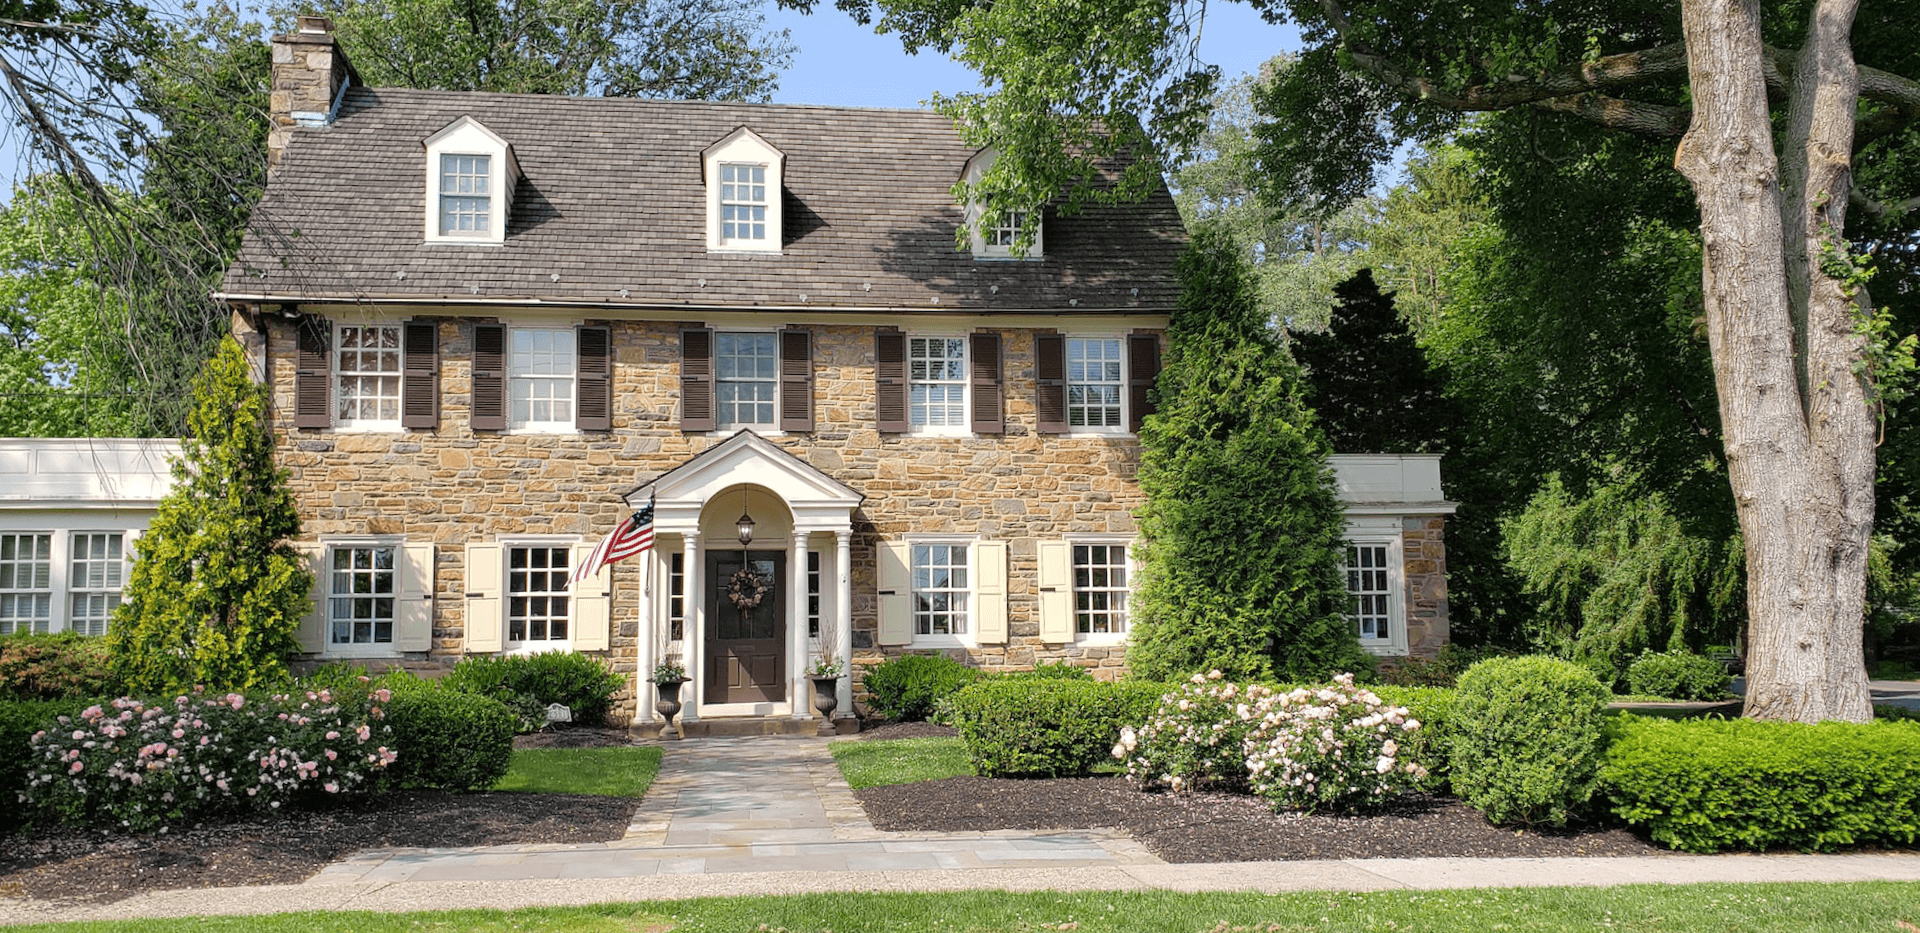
610 210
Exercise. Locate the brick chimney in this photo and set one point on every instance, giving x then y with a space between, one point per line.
309 75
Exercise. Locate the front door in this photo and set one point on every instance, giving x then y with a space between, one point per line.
746 627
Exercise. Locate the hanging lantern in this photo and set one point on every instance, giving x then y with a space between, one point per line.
745 524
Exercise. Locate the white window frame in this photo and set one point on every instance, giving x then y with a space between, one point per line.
79 586
386 649
970 605
1382 533
988 236
722 426
517 379
965 383
47 595
1120 343
61 585
1125 609
744 147
335 384
469 137
563 544
743 204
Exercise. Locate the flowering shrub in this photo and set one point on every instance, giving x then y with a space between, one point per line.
1194 739
1337 746
137 764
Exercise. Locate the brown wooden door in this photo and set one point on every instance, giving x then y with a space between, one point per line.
746 647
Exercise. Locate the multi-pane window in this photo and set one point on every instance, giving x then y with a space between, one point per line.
746 375
367 370
1094 382
537 595
97 569
465 201
743 202
540 368
1004 233
937 381
940 589
1367 582
813 595
677 596
26 583
361 595
1100 589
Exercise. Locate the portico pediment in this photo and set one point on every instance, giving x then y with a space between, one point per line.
748 459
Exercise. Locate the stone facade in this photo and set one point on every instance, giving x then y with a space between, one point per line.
1424 552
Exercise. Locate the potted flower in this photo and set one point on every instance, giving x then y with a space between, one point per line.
825 674
668 675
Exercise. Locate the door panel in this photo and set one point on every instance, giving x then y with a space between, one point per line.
746 648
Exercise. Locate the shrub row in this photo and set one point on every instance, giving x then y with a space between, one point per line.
53 667
908 688
529 683
1050 726
1679 675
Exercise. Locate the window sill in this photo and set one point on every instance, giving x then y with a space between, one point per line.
940 641
1099 640
1383 649
376 427
386 650
541 430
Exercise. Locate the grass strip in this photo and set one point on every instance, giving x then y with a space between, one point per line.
602 772
900 761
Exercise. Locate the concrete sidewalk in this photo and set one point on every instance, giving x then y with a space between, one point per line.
773 816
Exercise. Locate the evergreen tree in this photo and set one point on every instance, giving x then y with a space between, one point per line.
1241 534
217 592
1367 379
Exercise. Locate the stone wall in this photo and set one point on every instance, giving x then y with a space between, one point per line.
1424 554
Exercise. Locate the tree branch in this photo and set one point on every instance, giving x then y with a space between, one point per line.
1881 210
1630 115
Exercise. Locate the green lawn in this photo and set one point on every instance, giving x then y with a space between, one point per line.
900 761
604 772
1708 908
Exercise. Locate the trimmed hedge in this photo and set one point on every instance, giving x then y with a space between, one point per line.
19 720
1704 785
1038 726
1527 739
447 739
54 667
529 683
1678 675
906 689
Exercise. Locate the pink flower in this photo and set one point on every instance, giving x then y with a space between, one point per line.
92 712
332 788
363 732
179 733
76 767
332 734
383 694
331 754
79 734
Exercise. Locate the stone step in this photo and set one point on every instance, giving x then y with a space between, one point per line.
748 726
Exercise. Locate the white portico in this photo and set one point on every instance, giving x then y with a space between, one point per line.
747 618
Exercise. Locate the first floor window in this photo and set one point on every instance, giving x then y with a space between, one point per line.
1094 382
367 375
937 381
537 595
361 595
97 572
940 588
26 583
677 596
540 373
813 595
1369 587
1100 589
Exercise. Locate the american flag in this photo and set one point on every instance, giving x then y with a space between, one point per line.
632 537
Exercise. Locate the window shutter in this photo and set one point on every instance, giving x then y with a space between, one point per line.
890 380
1056 592
592 604
1050 381
696 379
896 590
1143 368
796 380
990 592
594 376
312 634
420 386
313 375
989 401
484 626
489 379
413 607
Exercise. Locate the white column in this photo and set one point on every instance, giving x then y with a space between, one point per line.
843 614
799 689
645 628
694 641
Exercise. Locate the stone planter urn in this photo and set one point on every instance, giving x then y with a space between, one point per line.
826 696
668 705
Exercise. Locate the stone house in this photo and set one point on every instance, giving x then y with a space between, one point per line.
495 326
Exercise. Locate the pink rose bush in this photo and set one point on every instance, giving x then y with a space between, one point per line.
1195 738
138 764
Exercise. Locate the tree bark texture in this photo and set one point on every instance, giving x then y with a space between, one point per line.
1799 430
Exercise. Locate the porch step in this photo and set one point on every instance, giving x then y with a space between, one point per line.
749 725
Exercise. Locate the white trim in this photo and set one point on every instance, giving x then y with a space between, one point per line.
745 147
976 214
1133 577
467 136
507 545
969 638
335 373
1377 532
331 649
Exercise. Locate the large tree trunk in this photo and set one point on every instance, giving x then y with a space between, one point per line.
1799 430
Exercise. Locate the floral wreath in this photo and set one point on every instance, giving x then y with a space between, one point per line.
746 589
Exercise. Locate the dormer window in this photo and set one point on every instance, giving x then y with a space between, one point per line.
743 174
1007 232
996 235
471 172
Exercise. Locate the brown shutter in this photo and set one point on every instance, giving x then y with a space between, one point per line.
889 380
420 386
989 402
696 379
1050 381
489 378
313 375
594 373
796 380
1143 369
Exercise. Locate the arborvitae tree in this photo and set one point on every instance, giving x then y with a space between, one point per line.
217 592
1367 379
1241 534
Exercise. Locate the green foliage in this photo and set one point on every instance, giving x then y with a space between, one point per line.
1616 575
906 688
1194 738
1432 744
1241 534
1705 785
1679 675
19 720
1368 381
1527 740
217 592
1023 727
447 739
54 667
876 763
529 683
600 772
1052 670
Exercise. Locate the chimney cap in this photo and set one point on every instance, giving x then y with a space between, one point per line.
315 25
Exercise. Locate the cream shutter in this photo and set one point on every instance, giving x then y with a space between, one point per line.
1056 592
990 592
312 633
413 610
896 587
593 604
484 627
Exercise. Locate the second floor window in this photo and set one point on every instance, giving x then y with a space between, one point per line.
937 382
746 374
367 374
1094 382
743 202
465 201
540 372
